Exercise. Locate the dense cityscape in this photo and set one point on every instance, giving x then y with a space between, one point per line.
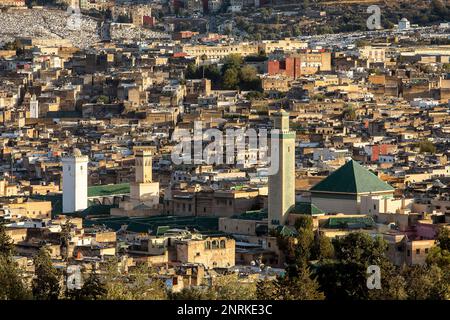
224 150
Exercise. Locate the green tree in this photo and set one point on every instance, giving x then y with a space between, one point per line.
12 285
427 283
193 293
393 284
140 283
443 238
231 79
116 288
46 284
224 287
440 255
248 74
144 284
229 287
303 222
322 248
267 289
360 248
346 277
93 289
232 61
305 238
6 244
300 287
191 71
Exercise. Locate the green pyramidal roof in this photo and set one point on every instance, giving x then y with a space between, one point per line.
352 178
306 208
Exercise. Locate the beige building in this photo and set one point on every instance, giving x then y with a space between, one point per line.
220 51
212 252
275 83
32 209
286 45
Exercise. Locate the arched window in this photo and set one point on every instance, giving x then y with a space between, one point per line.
208 245
222 244
215 244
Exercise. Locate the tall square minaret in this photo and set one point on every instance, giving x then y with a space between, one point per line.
34 107
282 182
144 190
75 182
143 169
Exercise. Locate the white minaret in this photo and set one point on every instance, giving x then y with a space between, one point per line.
282 183
34 107
75 182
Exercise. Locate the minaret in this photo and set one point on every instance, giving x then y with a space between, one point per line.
75 182
143 162
34 107
282 183
144 190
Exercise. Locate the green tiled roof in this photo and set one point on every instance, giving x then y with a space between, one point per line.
306 208
352 178
252 215
286 231
108 190
144 224
350 223
161 230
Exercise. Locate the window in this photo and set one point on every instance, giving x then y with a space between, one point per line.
426 250
222 244
408 253
417 251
